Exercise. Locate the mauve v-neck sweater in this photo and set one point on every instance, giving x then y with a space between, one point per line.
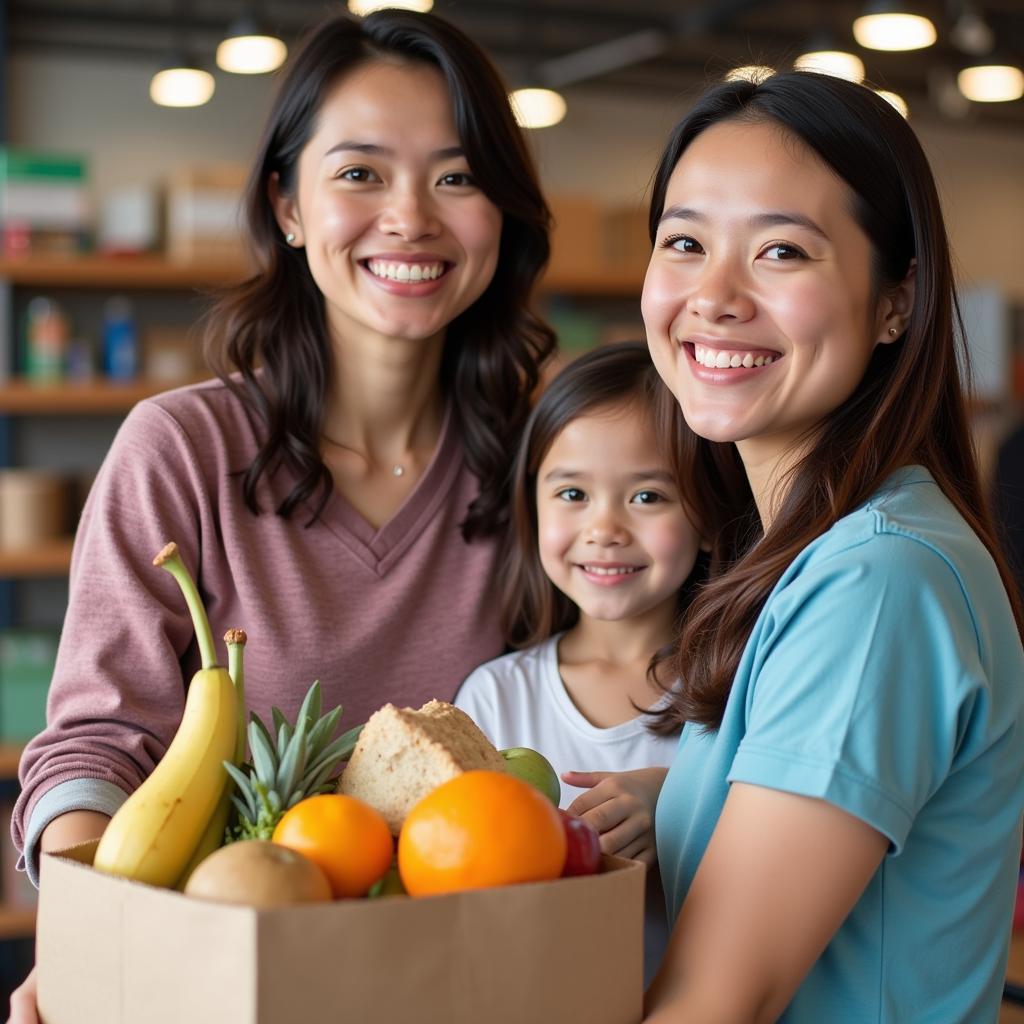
401 614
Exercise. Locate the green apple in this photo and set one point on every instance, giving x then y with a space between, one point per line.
534 768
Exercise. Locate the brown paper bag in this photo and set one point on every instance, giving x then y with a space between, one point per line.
111 951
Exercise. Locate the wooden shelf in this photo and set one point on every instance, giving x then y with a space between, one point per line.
17 922
51 559
96 271
158 272
97 397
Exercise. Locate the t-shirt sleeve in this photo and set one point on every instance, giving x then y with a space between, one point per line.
117 692
863 683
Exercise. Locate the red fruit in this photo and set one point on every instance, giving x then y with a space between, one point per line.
583 846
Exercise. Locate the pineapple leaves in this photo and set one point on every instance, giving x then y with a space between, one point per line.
289 762
293 764
264 758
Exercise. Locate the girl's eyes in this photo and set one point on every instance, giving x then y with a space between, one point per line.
570 494
647 498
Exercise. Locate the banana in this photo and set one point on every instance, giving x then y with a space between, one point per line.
213 836
154 833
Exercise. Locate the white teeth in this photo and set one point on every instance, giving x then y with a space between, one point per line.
604 570
722 360
405 271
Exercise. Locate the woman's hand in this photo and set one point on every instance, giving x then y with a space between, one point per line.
620 805
23 1002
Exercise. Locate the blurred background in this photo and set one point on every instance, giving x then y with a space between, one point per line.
126 130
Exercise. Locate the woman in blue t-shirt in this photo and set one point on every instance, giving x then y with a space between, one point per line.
840 831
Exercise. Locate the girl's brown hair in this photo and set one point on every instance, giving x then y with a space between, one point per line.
276 321
909 408
533 608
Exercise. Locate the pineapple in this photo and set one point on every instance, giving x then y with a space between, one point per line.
300 762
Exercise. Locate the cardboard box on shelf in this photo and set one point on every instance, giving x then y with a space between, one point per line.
203 210
110 951
44 201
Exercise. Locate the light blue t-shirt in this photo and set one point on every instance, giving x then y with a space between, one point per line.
885 675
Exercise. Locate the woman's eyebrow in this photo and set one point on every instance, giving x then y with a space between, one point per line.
787 218
759 220
373 149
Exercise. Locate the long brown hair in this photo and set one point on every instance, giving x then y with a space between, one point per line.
620 375
909 408
276 321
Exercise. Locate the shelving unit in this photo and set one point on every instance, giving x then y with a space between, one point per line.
50 559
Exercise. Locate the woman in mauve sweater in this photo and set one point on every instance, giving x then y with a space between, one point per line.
339 490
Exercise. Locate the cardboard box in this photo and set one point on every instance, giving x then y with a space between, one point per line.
111 951
204 212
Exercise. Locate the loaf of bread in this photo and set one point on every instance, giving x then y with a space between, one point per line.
403 754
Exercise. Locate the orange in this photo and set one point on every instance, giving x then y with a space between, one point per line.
481 828
347 838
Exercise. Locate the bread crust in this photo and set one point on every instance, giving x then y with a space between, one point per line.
403 754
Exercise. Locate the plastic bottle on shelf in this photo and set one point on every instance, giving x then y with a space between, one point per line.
46 339
120 340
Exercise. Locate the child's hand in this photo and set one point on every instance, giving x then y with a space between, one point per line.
620 805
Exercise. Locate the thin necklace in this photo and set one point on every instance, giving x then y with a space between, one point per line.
397 468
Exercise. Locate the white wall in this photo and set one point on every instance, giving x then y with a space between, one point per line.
606 148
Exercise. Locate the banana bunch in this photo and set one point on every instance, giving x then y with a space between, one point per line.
153 836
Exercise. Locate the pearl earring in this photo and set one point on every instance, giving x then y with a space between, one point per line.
290 237
892 332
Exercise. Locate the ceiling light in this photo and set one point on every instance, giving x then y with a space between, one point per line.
364 7
537 108
181 83
890 26
896 100
248 49
991 83
837 63
755 73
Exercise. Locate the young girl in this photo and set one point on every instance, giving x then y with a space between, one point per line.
604 560
340 491
840 831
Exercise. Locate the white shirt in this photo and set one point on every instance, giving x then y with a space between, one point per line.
519 700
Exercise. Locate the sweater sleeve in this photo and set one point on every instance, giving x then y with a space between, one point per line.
117 692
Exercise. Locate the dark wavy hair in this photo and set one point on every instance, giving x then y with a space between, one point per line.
532 607
267 338
910 406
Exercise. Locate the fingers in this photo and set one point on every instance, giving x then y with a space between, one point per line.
625 836
584 780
